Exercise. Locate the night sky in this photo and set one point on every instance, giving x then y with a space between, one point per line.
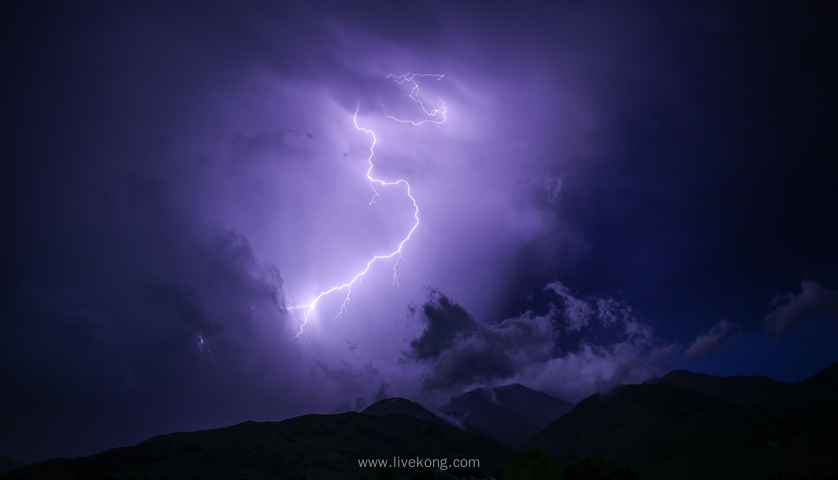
618 189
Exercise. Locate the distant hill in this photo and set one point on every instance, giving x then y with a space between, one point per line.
314 446
666 431
510 414
820 389
401 406
685 425
7 464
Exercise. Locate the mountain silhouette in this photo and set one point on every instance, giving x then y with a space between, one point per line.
510 414
401 406
310 446
663 430
7 464
820 389
684 425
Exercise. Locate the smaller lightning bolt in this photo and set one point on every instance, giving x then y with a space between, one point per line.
436 115
202 346
433 116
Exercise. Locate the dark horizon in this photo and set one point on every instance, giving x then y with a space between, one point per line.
737 421
603 193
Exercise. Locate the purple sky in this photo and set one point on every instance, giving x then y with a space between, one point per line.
617 191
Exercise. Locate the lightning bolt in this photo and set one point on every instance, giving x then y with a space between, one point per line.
202 346
436 116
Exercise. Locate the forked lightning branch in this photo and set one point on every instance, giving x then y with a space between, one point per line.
428 115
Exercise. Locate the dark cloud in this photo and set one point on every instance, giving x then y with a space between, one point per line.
462 352
91 358
791 311
458 352
445 321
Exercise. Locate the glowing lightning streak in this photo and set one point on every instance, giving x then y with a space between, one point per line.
202 346
434 116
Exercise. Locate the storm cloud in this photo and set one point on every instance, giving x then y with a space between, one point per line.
177 177
578 346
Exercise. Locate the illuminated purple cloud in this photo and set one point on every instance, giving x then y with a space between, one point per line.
437 116
713 340
791 311
455 352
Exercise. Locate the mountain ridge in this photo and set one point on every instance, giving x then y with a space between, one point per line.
742 427
8 464
819 389
663 429
315 446
401 406
511 414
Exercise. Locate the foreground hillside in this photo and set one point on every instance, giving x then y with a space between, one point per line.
682 426
819 389
313 446
7 464
664 430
